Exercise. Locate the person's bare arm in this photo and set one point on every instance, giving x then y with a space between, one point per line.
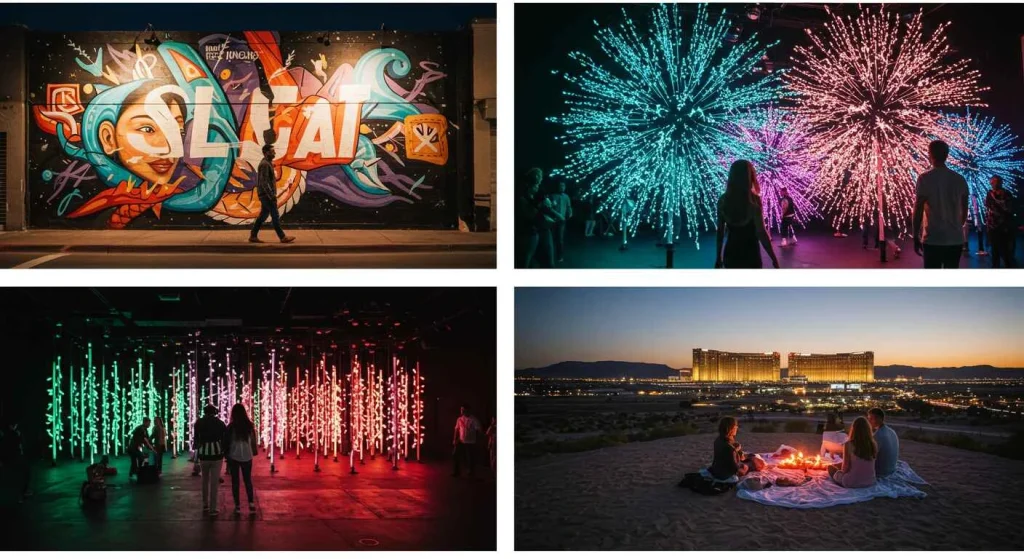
847 456
719 240
919 202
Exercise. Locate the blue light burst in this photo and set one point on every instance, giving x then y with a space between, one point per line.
979 149
651 124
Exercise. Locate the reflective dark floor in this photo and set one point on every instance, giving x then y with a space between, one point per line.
815 249
418 507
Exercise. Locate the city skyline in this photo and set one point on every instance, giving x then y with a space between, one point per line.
923 327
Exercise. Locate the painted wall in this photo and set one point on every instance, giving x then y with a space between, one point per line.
129 134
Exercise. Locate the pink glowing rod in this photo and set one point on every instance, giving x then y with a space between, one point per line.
417 409
273 408
316 422
355 383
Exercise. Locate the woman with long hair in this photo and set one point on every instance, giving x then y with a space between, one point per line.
859 454
241 448
728 458
159 443
741 215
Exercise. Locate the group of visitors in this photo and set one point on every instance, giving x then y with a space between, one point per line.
213 443
464 449
871 452
542 215
940 218
943 211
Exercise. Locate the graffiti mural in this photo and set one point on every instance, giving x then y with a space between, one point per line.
168 131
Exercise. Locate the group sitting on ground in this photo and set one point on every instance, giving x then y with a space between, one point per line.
870 453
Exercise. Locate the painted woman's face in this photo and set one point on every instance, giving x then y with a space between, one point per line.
141 144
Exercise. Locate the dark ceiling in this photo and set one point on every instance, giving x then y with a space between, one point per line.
344 314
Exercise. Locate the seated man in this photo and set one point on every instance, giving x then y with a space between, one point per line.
888 443
94 488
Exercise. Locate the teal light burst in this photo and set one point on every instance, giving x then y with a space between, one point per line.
645 128
979 149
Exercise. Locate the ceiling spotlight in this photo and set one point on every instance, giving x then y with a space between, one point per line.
754 12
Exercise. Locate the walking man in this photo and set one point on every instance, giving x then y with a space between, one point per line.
464 440
210 432
266 189
940 211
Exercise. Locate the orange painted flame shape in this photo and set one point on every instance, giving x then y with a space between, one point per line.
131 201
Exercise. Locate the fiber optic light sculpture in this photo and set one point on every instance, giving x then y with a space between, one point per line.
982 148
870 91
645 131
779 149
54 418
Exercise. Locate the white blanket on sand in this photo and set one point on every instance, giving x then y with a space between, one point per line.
821 491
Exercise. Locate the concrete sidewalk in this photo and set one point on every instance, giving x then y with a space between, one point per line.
236 240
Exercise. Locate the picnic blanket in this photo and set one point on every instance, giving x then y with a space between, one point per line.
822 492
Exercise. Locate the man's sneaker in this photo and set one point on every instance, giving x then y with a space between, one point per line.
794 239
288 239
785 241
238 510
206 510
214 512
255 240
252 508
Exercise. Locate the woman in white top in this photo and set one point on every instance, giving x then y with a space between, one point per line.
241 448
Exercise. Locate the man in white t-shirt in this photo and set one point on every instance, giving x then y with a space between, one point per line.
940 211
464 440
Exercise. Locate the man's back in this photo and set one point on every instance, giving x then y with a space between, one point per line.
888 451
210 433
467 426
943 192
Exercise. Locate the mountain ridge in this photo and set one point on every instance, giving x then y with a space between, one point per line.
620 369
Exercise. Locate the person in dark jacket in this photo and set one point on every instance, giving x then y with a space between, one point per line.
729 459
209 439
12 458
999 219
741 222
266 189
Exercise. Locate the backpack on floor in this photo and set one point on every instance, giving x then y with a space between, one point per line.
705 486
147 474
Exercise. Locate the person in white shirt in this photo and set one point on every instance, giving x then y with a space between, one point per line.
464 441
940 211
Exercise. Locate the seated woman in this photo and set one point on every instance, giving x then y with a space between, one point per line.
729 459
859 454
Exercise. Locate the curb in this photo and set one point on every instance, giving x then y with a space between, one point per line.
252 248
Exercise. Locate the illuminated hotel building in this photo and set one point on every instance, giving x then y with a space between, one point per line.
833 367
722 366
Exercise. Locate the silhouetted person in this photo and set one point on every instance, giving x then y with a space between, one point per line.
464 440
999 218
788 217
159 440
12 457
210 432
536 217
940 211
140 440
266 189
562 205
240 448
741 218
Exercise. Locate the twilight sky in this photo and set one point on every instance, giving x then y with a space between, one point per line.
925 327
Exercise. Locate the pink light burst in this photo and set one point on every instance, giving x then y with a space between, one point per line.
870 91
779 149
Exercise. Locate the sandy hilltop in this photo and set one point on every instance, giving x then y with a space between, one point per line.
626 498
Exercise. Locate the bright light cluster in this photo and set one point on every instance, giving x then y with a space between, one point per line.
871 90
375 409
646 127
780 152
980 149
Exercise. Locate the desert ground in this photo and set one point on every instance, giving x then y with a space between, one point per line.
625 498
